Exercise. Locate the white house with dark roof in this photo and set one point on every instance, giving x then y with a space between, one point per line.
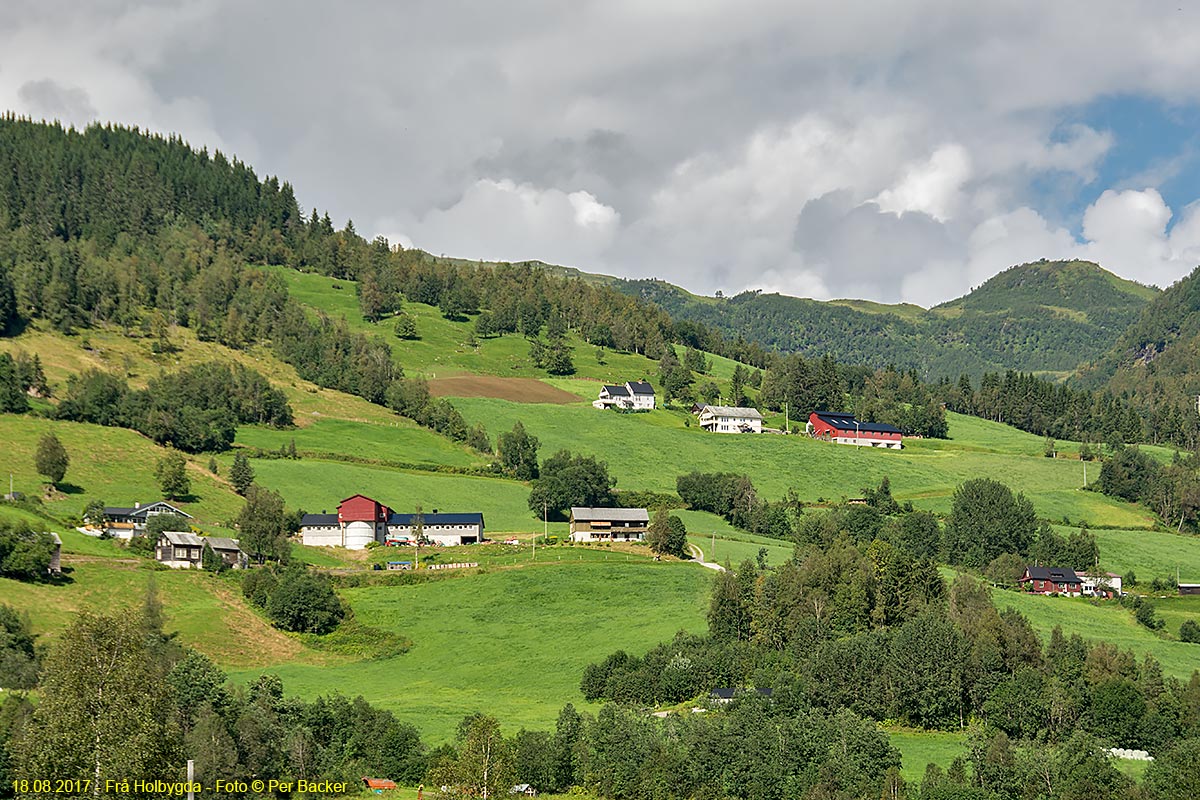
123 523
730 419
609 524
632 396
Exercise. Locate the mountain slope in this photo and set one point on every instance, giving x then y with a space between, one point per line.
1045 317
1157 359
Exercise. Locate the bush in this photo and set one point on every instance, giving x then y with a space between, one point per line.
257 585
1189 631
304 603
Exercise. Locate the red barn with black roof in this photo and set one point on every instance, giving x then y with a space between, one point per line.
845 429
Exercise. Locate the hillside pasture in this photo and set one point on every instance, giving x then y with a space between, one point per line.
1149 554
112 464
648 451
208 611
512 643
396 439
1102 621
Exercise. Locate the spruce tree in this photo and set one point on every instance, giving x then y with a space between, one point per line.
171 472
241 474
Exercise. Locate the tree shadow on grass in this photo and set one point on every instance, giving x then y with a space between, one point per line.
69 488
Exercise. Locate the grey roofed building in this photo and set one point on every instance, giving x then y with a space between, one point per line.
734 411
181 539
586 514
608 524
640 387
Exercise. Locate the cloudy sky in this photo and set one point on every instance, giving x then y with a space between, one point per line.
891 151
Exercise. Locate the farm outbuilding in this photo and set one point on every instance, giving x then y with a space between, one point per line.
361 520
845 429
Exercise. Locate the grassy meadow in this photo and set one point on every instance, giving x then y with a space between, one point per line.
494 642
1106 621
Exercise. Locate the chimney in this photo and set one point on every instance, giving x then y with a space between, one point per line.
435 511
136 504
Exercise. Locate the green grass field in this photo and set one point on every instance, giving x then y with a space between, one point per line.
398 439
496 642
1103 621
208 612
926 471
920 748
1149 554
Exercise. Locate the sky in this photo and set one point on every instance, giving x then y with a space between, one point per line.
898 152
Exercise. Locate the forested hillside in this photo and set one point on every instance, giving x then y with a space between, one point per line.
1045 317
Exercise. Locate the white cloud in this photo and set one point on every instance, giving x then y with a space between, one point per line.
933 187
506 221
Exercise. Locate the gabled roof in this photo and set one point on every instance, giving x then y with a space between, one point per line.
640 387
847 422
223 543
318 519
581 514
728 692
1056 574
470 518
57 540
616 391
732 411
181 539
160 507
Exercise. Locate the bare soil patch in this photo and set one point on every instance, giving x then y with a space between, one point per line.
518 390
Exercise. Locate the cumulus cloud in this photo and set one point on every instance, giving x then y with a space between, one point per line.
506 221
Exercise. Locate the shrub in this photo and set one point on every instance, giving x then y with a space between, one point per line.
1189 631
304 603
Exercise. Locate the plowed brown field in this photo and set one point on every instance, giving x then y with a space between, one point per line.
519 390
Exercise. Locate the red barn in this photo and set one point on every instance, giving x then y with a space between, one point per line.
845 429
1051 580
361 508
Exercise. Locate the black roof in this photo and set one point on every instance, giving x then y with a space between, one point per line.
847 422
1056 574
318 519
641 387
616 391
473 518
143 510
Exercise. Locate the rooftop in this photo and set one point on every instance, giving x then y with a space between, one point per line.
582 514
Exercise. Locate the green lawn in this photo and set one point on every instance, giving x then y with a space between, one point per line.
1102 621
721 542
920 748
512 643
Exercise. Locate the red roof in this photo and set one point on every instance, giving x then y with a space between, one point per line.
379 783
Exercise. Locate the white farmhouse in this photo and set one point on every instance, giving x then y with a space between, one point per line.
632 396
730 419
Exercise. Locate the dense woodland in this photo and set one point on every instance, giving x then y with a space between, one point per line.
1046 316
